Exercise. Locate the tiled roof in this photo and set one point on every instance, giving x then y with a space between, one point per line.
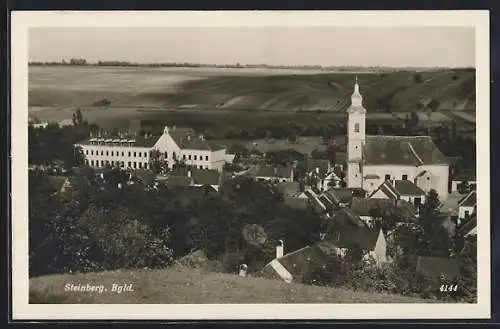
401 150
186 138
284 171
301 262
321 164
345 216
344 195
205 176
436 266
351 236
468 175
469 200
467 225
406 187
139 141
365 207
266 171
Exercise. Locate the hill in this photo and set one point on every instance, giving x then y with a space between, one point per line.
182 285
257 89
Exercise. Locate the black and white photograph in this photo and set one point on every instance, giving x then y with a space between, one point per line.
250 165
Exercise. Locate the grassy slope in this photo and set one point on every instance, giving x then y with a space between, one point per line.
56 86
177 285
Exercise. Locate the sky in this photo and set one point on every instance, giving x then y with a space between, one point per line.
327 46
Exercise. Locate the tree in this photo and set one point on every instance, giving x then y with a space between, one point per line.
417 77
436 239
433 105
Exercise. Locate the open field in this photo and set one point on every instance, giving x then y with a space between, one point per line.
181 285
259 89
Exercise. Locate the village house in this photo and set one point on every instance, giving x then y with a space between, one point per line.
175 145
372 160
464 175
275 174
293 195
467 206
322 174
467 227
400 190
369 208
194 177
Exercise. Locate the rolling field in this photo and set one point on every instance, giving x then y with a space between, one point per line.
182 285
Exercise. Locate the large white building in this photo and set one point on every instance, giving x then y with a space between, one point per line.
174 145
372 160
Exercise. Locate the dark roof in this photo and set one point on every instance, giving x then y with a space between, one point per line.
284 171
434 267
365 207
295 203
345 216
372 176
399 188
303 261
173 181
289 188
350 236
467 225
266 171
321 164
186 138
205 176
344 195
406 187
469 200
139 141
468 175
401 150
146 176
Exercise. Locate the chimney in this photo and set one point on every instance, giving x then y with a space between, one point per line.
280 250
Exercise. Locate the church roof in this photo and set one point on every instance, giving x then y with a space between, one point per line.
401 150
356 100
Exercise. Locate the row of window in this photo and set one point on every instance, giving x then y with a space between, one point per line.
113 153
195 157
121 164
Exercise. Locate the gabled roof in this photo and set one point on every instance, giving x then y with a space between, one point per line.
365 207
467 226
278 171
205 176
284 171
434 267
407 188
321 164
345 217
186 138
470 200
401 150
399 188
351 236
266 171
344 195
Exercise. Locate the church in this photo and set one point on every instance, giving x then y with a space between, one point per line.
375 160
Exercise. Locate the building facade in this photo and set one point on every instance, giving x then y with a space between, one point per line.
371 160
175 145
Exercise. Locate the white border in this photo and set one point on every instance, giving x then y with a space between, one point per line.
21 21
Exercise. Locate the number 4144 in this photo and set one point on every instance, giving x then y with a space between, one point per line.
448 287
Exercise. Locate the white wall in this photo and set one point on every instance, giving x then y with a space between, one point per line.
98 155
354 178
462 210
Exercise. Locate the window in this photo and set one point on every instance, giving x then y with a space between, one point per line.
112 153
123 164
466 213
129 164
140 154
92 163
387 177
145 165
92 152
405 177
201 167
102 163
135 155
189 156
417 201
195 157
135 164
183 157
123 153
166 155
356 127
140 165
206 157
107 153
129 153
102 152
87 152
112 163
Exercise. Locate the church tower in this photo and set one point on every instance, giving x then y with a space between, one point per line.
355 138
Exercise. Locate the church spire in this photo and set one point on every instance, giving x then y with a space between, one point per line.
356 98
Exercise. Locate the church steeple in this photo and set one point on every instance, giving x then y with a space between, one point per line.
356 100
